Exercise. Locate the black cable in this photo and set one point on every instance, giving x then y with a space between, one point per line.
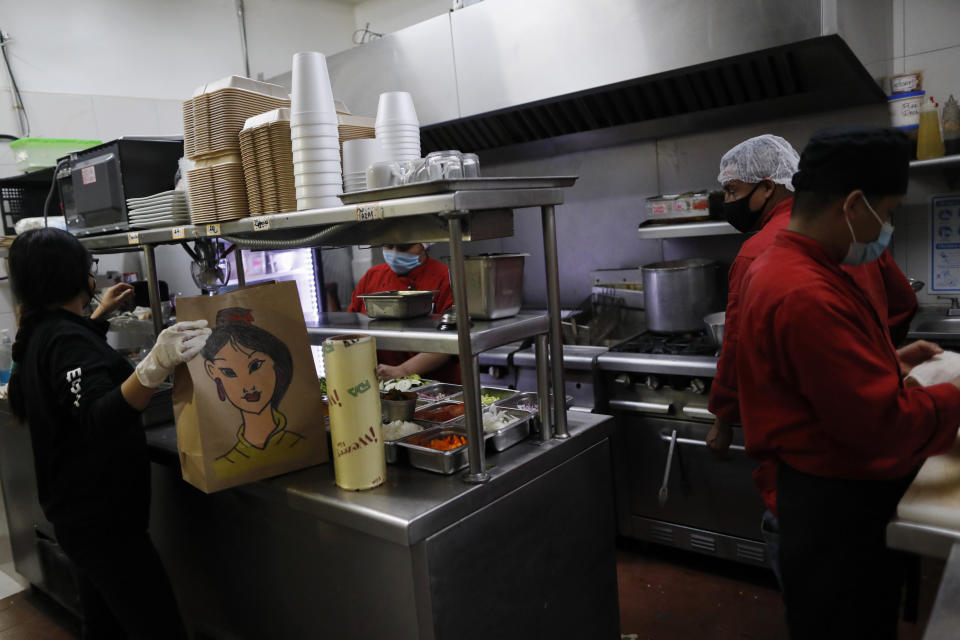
8 136
21 109
53 185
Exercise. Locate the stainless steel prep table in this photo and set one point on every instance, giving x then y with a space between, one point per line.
530 553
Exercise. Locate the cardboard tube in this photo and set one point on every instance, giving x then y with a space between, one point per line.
354 403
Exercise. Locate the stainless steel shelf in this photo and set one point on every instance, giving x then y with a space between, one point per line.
688 230
421 334
368 214
937 163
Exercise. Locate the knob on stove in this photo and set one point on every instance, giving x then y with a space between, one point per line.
697 385
623 380
651 382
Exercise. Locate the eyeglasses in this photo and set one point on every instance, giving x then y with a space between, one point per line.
94 265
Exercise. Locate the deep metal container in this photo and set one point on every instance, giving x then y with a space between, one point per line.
494 284
421 456
679 293
398 304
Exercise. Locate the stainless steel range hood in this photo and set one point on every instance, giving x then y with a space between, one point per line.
503 72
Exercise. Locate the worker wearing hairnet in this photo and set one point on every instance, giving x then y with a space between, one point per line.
756 178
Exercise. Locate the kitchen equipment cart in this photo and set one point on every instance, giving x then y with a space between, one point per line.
481 209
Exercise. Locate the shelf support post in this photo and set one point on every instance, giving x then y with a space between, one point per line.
469 367
153 288
241 275
543 389
549 222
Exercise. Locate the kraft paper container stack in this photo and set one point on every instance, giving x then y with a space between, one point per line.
212 121
353 395
267 155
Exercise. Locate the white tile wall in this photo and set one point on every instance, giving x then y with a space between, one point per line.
929 25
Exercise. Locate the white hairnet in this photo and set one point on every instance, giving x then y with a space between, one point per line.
766 156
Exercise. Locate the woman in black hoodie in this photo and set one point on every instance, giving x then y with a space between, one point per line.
82 400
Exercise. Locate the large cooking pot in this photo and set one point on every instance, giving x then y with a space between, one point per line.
679 293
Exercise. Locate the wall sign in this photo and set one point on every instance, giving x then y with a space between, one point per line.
945 243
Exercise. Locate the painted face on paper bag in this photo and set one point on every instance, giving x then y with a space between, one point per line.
248 378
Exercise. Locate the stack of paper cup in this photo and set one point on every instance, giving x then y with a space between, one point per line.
315 134
358 155
397 126
359 460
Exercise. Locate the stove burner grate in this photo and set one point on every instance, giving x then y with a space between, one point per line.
688 344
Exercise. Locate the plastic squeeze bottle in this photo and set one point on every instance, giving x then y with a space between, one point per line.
951 126
929 142
6 353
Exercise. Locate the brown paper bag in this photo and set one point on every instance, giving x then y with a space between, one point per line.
248 407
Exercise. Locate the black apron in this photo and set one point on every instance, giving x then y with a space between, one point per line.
839 578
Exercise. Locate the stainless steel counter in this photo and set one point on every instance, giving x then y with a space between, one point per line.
412 504
531 553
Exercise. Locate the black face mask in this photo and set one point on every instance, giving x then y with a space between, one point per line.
740 215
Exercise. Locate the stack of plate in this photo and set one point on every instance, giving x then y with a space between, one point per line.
267 155
314 134
164 209
397 126
217 191
213 118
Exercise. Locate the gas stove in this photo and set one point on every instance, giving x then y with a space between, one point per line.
688 344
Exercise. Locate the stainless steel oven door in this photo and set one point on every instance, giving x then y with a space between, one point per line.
696 489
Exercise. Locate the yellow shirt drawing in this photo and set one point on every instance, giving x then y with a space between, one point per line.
245 457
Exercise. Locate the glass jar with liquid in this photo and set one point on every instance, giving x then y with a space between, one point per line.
929 140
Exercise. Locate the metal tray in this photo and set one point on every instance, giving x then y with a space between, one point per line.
395 454
507 436
448 391
422 457
435 405
398 304
500 393
435 187
521 401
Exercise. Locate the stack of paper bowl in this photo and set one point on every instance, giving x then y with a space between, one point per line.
358 155
398 128
267 155
314 134
217 191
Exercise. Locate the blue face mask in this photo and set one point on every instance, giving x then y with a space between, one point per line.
864 252
400 261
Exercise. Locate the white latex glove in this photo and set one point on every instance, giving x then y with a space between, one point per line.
175 345
942 367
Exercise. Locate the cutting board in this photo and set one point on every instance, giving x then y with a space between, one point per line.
934 496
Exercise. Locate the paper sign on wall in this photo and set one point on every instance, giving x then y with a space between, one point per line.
945 243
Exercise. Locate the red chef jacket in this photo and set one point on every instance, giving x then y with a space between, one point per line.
882 281
819 378
431 274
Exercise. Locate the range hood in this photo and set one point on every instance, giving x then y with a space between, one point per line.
501 73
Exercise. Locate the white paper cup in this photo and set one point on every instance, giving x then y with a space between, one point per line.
320 166
318 180
360 154
313 117
396 107
388 129
326 202
316 155
318 191
315 131
314 142
310 82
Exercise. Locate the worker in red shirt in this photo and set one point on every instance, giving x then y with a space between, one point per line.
756 177
821 392
409 267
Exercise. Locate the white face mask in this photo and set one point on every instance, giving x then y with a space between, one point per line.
864 252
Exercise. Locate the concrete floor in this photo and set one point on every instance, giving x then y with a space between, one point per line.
665 594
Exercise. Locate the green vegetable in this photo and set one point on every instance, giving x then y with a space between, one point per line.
402 384
486 399
323 386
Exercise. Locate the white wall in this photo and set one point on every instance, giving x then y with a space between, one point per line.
387 16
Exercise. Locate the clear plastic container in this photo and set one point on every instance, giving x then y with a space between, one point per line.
929 140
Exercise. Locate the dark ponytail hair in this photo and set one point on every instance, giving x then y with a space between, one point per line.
48 267
235 325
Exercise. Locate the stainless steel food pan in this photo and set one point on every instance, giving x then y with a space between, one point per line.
494 285
514 432
439 391
398 304
395 454
423 457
